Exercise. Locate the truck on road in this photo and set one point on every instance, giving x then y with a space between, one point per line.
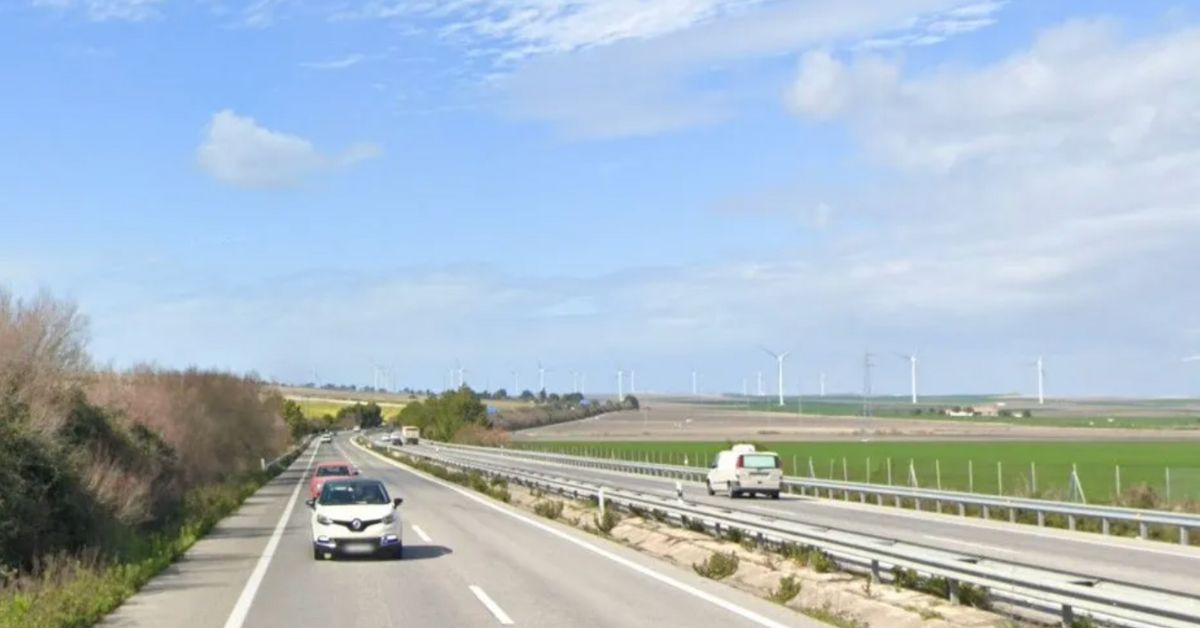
411 434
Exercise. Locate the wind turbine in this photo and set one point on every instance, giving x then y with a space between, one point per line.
1041 376
760 384
912 367
620 385
632 382
779 358
695 388
541 377
516 383
1192 358
822 383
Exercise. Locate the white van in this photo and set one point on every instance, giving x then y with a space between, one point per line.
742 470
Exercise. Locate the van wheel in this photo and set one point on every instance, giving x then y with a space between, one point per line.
775 495
708 486
734 493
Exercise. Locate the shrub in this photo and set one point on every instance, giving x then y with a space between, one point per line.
789 588
718 565
606 523
550 509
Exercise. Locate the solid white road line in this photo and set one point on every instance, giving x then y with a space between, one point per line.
492 606
421 533
744 613
238 616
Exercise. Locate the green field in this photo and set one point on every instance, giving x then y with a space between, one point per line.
1141 414
1096 463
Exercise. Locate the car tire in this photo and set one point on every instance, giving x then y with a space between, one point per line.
708 486
775 495
734 493
398 552
318 554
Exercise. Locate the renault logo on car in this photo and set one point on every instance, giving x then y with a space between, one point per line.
356 525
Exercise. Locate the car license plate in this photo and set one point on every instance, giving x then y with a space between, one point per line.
358 548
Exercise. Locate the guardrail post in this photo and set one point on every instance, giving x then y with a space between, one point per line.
1104 525
1012 515
1068 616
962 509
985 511
862 497
1041 515
262 462
1183 535
1142 531
600 501
952 589
875 577
1070 522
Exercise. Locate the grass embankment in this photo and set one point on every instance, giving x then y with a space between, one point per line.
1140 463
107 476
81 590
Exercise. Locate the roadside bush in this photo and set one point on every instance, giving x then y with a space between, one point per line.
550 509
220 424
789 588
609 521
718 565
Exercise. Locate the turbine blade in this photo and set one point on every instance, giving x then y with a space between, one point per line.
1192 358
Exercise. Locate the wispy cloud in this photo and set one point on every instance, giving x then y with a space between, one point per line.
107 10
238 151
340 63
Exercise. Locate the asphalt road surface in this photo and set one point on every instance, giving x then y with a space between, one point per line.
469 561
1152 564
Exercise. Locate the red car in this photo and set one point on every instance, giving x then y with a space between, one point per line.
329 471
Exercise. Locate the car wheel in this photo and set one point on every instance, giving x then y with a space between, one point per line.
734 493
318 554
775 495
708 485
398 551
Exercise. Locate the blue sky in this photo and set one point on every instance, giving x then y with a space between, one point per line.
287 186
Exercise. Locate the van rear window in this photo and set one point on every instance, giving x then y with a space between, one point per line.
759 461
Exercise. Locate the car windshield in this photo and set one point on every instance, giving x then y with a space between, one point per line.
760 461
338 470
346 494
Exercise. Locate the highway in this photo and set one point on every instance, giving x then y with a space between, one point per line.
1151 564
469 561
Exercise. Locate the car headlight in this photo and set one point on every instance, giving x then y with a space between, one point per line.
390 518
323 520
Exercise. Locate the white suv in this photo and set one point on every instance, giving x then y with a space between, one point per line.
742 470
356 517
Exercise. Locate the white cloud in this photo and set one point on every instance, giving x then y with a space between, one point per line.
340 63
106 10
1058 175
649 84
237 151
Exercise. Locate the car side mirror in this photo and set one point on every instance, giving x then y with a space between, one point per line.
311 503
396 502
354 472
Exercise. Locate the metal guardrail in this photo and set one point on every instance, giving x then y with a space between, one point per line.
897 495
1029 587
266 465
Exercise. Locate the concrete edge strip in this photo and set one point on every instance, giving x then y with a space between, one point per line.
237 616
595 549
